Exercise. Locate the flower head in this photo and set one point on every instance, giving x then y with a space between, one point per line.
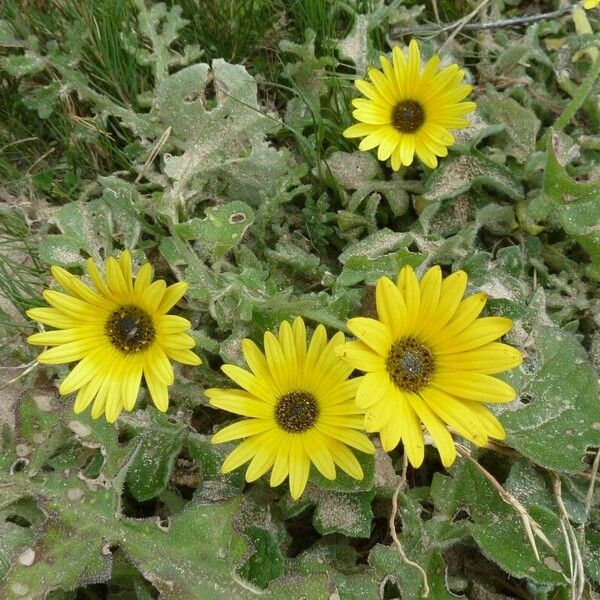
429 359
300 408
588 4
408 111
117 332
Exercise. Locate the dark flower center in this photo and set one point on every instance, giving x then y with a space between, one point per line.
408 116
130 329
410 364
296 411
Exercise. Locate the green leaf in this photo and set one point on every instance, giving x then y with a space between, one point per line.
156 449
459 174
8 37
25 64
497 528
339 562
267 562
422 541
562 404
221 137
43 99
376 245
348 514
521 125
221 230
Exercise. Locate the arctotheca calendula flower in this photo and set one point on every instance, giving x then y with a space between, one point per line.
588 4
408 111
117 332
300 409
429 359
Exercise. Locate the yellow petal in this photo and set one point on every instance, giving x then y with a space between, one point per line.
373 388
360 356
451 293
64 336
97 279
70 352
143 279
299 331
153 295
242 403
239 455
456 414
412 434
242 429
345 459
70 306
87 393
169 324
372 333
158 390
350 437
158 363
408 285
250 383
77 288
436 428
391 434
481 332
83 371
492 358
474 386
53 317
319 454
261 462
184 356
172 296
390 307
430 288
281 467
125 265
466 313
299 465
131 385
115 279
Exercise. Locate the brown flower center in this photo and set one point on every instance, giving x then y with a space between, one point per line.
130 329
296 411
408 116
410 364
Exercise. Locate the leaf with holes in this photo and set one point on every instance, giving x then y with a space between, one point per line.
220 138
221 230
562 393
498 529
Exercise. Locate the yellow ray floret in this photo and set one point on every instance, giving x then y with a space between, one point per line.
429 361
591 4
299 408
116 333
408 111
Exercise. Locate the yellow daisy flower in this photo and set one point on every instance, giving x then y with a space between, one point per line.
408 111
117 332
590 4
429 360
300 405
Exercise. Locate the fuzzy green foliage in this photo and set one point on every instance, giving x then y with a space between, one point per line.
210 141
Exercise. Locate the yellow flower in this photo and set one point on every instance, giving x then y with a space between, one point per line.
429 360
591 4
116 332
300 405
407 111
